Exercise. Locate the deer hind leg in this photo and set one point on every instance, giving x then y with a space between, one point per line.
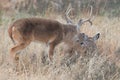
16 48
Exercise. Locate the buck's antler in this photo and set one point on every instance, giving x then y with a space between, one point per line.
82 21
67 15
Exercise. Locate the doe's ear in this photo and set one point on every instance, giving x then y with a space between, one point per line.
96 37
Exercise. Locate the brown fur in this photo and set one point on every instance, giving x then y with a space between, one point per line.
26 30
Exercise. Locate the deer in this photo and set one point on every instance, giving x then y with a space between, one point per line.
26 30
87 44
82 43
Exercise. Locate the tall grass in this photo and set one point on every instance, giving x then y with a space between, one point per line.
102 65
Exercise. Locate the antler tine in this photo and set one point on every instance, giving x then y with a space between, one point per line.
87 20
91 11
68 9
90 18
67 14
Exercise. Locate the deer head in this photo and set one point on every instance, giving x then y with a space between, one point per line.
84 43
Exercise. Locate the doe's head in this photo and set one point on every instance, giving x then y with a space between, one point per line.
83 43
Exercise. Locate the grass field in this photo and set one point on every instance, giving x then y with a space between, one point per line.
103 65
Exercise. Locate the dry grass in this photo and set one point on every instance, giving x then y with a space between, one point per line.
103 65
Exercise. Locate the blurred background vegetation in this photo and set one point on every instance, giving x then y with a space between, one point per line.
14 9
110 8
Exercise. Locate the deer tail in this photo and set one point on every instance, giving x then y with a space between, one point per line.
10 34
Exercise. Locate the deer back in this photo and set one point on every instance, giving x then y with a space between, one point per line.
37 29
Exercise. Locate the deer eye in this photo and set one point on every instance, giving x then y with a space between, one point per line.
81 43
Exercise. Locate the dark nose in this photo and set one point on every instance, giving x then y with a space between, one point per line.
98 35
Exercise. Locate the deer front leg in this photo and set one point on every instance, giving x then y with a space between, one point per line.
51 51
53 44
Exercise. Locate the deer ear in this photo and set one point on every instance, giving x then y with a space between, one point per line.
79 23
96 37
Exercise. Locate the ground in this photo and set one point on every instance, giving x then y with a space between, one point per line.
103 65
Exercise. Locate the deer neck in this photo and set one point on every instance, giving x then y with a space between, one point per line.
69 31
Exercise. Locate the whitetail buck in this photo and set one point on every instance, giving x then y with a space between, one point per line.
27 30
